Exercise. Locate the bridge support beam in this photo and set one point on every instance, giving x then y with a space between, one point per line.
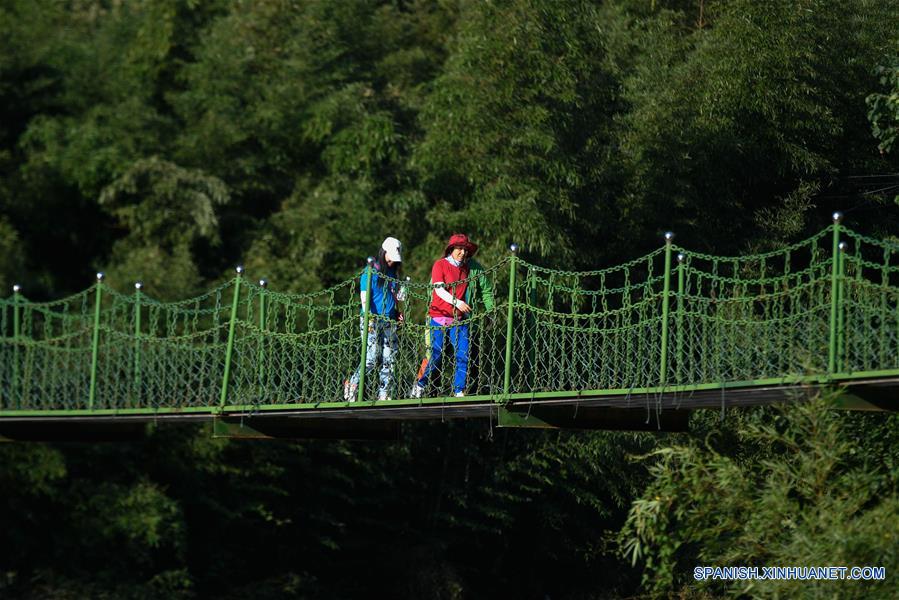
574 417
869 397
71 430
305 428
834 295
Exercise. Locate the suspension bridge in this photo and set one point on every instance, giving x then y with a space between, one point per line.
633 346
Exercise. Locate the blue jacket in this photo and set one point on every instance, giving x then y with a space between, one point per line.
383 292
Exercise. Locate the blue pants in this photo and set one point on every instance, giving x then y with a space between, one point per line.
458 336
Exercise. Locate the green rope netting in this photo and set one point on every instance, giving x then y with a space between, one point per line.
799 311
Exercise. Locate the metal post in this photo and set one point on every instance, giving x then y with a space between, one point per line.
138 286
530 326
834 290
95 344
231 326
884 286
259 361
897 319
679 361
629 360
666 291
841 311
16 333
363 355
513 263
845 301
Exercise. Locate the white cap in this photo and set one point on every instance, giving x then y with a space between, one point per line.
393 249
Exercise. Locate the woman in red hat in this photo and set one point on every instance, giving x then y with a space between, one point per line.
453 281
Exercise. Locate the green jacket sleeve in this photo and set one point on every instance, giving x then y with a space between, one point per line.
482 286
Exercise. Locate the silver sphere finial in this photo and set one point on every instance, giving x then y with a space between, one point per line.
16 288
843 246
100 276
669 235
370 260
138 285
680 257
837 217
263 283
514 248
239 269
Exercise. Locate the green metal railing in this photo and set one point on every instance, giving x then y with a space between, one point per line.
825 308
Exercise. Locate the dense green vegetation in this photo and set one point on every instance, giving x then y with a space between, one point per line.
168 140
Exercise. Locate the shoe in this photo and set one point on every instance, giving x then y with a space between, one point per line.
416 391
384 396
349 391
459 394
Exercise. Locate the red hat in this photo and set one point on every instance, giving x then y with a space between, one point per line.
460 240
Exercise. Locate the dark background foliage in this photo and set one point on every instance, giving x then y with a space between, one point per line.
168 140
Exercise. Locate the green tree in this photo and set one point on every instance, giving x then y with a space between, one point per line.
516 126
87 87
883 108
12 263
756 110
307 112
806 496
166 210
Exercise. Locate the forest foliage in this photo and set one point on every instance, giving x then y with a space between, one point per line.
168 140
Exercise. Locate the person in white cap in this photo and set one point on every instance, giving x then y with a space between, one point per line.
384 314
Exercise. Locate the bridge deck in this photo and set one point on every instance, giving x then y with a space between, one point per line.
657 410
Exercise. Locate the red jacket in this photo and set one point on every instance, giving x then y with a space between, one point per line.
448 273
